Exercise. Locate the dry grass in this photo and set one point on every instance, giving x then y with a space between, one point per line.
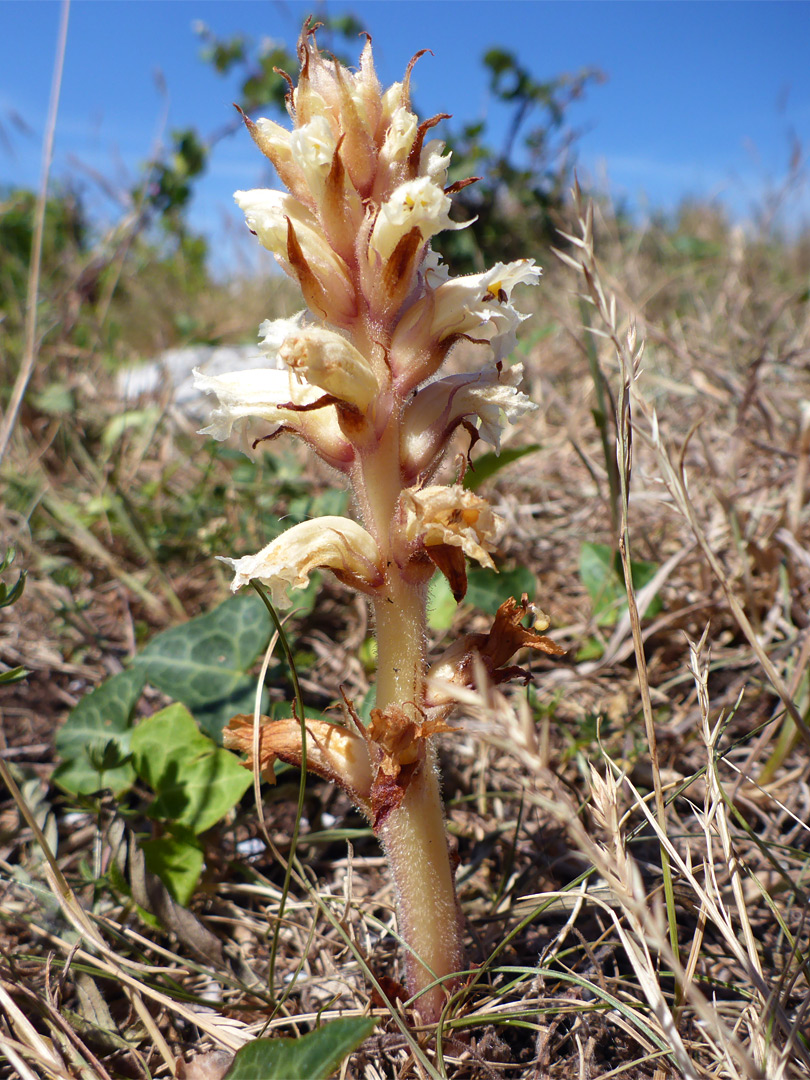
632 832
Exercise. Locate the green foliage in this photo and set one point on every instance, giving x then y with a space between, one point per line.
168 184
94 741
486 590
9 596
65 238
204 663
600 569
488 465
315 1056
195 782
177 858
442 605
523 185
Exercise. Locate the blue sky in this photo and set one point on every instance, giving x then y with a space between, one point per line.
702 99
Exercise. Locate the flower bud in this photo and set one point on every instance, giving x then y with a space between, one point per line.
285 227
331 362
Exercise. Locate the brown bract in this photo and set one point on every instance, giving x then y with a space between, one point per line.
373 764
493 649
402 743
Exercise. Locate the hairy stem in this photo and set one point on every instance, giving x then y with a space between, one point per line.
413 835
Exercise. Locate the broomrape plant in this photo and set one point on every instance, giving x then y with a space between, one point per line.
357 376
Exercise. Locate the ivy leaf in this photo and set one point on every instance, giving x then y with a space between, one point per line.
600 569
487 590
315 1056
94 740
196 781
204 663
177 859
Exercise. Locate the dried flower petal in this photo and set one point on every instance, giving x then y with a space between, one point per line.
333 753
494 650
452 516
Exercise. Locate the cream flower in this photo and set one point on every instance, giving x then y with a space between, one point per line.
277 396
452 516
415 204
273 216
333 543
330 361
477 305
490 397
312 147
399 138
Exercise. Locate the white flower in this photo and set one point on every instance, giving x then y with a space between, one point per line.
334 543
267 394
476 305
415 204
434 163
259 393
399 137
490 396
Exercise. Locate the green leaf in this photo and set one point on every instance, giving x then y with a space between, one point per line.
442 606
488 465
139 420
177 859
55 399
196 782
13 675
203 663
97 733
487 590
11 595
600 569
315 1056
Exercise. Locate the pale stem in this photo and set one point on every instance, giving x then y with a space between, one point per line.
413 835
414 840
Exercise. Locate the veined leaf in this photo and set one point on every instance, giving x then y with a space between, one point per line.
204 663
98 731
